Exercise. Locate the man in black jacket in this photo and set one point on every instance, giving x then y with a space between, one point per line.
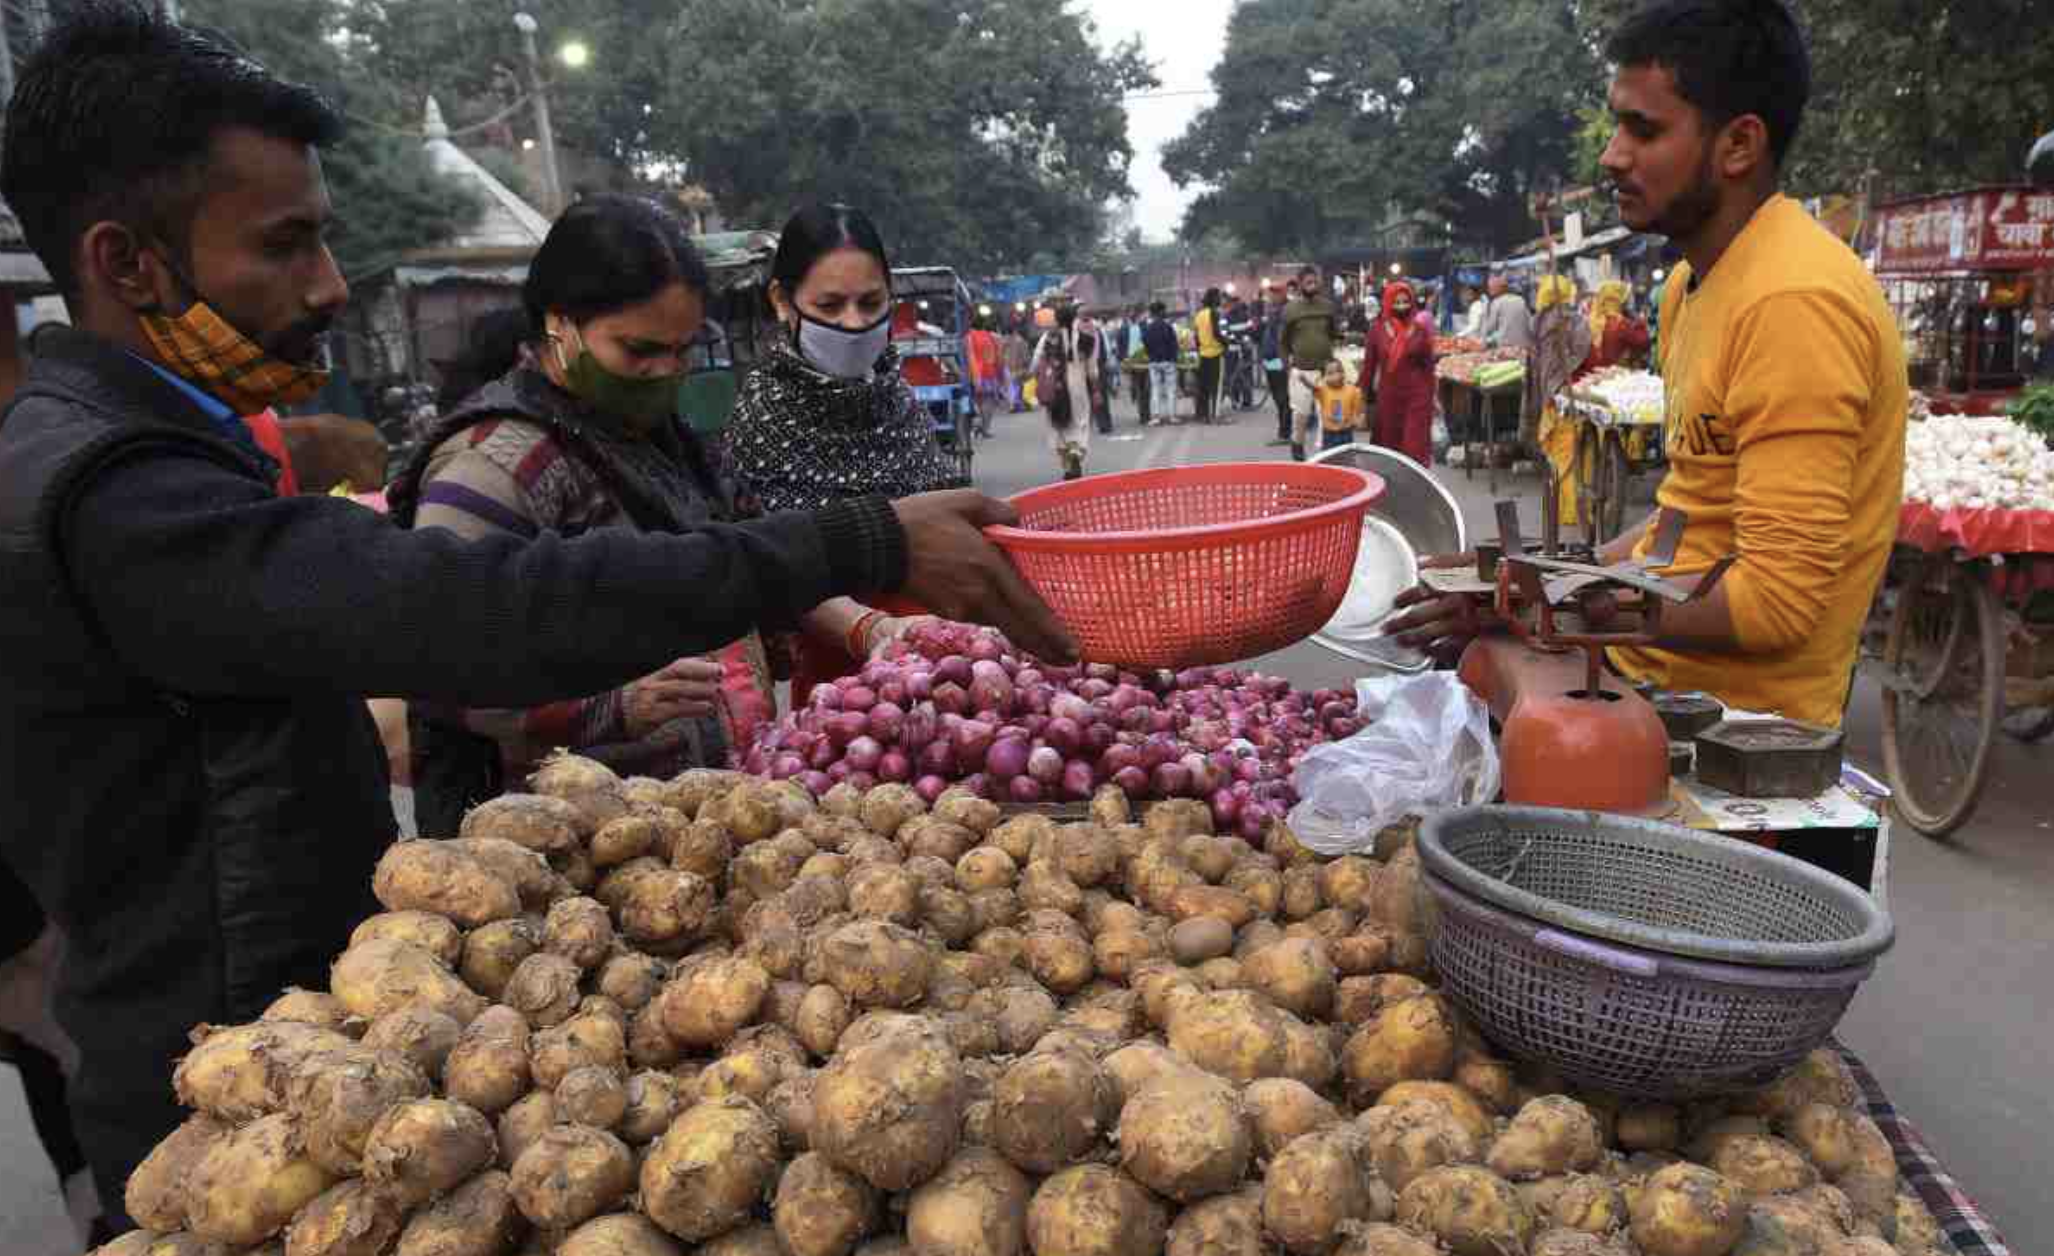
194 789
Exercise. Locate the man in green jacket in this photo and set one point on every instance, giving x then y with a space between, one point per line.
1311 326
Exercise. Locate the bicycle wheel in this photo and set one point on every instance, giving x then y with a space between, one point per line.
1943 695
1616 475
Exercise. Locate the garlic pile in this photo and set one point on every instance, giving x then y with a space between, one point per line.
1635 396
1971 463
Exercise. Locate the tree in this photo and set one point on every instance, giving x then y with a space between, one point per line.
1331 114
387 198
977 132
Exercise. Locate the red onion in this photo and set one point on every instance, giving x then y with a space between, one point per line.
1062 675
1098 736
989 687
757 762
981 785
1024 789
1035 698
1194 678
969 742
930 788
1045 764
919 685
785 766
1007 758
1226 810
822 754
863 753
1102 671
892 691
844 727
1069 706
858 698
1254 821
953 670
1137 719
894 766
825 697
1162 721
1158 750
886 719
1078 780
1132 781
951 698
1094 690
1342 730
1029 676
1064 736
986 646
1116 757
1203 779
816 783
936 759
1171 780
839 771
862 782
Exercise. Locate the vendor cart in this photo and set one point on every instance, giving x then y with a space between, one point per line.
1960 271
1612 447
941 300
1953 640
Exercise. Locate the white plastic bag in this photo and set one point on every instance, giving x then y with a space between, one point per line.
1427 746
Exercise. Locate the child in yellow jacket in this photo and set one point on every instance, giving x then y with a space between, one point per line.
1342 412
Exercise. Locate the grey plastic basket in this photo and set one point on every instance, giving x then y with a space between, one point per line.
1638 957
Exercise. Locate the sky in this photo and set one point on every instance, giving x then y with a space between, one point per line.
1184 39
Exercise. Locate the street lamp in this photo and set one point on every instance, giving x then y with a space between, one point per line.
576 54
552 181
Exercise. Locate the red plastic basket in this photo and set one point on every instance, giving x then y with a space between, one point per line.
1192 565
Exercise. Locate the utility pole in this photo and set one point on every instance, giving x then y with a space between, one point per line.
552 179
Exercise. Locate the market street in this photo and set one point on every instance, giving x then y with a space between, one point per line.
1948 1023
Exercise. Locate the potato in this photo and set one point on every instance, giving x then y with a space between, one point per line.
587 784
1649 1127
790 1106
1687 1210
424 1147
704 849
1193 901
1493 1082
1233 1033
579 930
476 1219
1314 1186
1360 1000
986 868
488 1072
523 1124
976 814
822 1210
1764 1165
886 807
976 1206
1589 1204
384 975
572 1174
544 989
664 906
710 1169
1199 939
248 1183
708 1004
492 952
1051 1108
421 1035
535 883
1404 1141
1551 1135
619 1234
592 1096
890 1109
1281 1109
1178 818
1094 1210
1360 954
1350 882
1826 1135
1472 1211
442 879
1705 1139
1458 1103
876 964
1870 1183
156 1191
1225 1225
927 837
432 932
1063 962
1412 1040
1394 902
348 1219
335 1099
1381 1239
1186 1136
1296 975
693 788
1564 1242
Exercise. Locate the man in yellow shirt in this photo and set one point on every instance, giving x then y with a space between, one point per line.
1205 325
1787 388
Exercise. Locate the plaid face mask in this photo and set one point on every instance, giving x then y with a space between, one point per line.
206 349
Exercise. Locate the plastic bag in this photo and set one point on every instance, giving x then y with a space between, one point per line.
1427 746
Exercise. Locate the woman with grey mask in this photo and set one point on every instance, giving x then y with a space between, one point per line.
825 415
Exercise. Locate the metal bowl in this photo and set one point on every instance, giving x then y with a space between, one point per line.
1415 516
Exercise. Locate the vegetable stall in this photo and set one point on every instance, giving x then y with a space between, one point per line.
1964 625
1481 392
974 954
1619 418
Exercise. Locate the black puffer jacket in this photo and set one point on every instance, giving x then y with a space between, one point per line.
192 785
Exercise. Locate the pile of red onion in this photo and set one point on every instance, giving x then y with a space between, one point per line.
952 703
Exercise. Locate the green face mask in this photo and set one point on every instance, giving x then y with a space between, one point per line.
638 402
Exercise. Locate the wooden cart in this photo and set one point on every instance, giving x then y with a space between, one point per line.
1956 638
1606 450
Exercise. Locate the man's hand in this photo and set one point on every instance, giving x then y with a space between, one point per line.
686 689
955 572
889 629
1439 625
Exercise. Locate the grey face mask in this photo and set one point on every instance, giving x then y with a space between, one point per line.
838 351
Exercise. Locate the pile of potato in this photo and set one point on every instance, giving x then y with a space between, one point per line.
645 1018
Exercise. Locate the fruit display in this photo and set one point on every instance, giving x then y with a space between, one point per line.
1464 368
1444 346
1633 396
719 1015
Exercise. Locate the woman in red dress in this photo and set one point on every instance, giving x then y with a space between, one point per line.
1398 375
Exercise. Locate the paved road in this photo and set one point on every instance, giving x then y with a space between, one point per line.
1950 1022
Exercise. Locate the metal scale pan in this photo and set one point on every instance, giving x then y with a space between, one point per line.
1415 516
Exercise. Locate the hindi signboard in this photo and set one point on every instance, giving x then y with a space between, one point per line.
1991 229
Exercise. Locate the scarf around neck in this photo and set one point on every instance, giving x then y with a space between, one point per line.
801 438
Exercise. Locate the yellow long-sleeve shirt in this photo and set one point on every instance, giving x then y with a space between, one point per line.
1785 431
1207 324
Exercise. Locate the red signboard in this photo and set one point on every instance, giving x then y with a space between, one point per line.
1992 229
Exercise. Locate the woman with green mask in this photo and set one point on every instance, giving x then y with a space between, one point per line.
578 430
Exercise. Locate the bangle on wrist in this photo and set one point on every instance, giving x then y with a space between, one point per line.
857 641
